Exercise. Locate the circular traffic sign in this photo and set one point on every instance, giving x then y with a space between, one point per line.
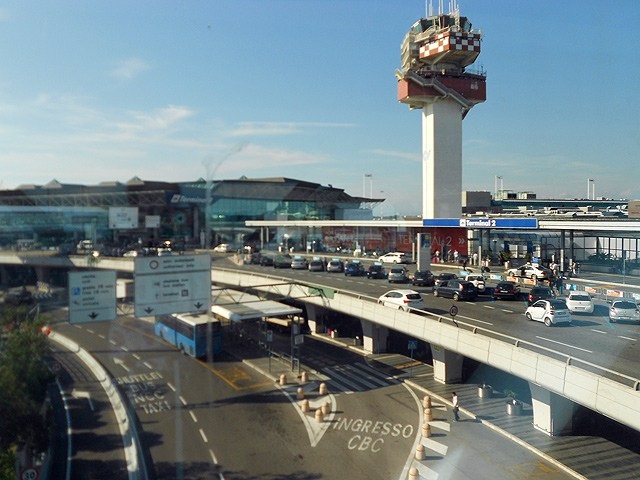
453 311
29 474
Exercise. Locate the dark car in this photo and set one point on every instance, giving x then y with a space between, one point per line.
354 268
506 291
456 289
282 261
423 278
444 276
266 260
19 297
540 293
377 271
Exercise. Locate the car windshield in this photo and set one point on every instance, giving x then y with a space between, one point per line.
558 304
414 296
625 305
580 298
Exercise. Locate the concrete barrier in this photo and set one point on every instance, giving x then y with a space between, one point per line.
127 427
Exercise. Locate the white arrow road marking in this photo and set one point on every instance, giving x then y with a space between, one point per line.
82 394
117 361
315 429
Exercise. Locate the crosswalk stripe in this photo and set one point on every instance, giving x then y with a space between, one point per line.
356 377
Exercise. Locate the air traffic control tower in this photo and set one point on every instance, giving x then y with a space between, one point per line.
435 55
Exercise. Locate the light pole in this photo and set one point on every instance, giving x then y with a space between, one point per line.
364 187
495 187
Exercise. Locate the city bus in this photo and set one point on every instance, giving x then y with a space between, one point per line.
188 333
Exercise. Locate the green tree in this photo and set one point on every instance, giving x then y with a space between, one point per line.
24 377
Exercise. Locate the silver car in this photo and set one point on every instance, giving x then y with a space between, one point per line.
624 310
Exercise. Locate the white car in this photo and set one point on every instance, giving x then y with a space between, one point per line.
624 310
394 257
530 271
478 280
550 312
580 302
402 299
222 248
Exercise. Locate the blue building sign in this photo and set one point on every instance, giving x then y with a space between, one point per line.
484 222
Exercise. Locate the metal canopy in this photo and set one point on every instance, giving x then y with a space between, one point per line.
237 306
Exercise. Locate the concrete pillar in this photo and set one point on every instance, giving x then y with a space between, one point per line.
311 317
447 365
552 413
375 337
42 274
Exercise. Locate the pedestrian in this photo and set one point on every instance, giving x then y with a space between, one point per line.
474 257
464 264
455 256
456 407
560 285
437 255
574 267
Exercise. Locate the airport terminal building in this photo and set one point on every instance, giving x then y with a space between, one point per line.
307 216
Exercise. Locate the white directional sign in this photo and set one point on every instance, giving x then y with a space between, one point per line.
92 296
172 284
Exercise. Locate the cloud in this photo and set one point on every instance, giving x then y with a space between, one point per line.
414 157
157 120
269 129
130 68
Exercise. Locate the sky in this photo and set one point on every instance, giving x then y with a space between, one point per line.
219 89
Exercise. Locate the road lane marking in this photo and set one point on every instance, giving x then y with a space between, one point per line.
627 338
124 349
564 344
171 386
184 402
204 437
148 365
193 416
598 331
213 457
136 356
90 331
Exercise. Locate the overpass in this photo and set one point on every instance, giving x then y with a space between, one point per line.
556 379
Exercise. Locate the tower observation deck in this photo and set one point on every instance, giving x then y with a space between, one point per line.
435 55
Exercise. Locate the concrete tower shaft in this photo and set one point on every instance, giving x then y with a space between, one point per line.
435 54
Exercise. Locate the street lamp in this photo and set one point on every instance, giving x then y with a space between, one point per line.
364 188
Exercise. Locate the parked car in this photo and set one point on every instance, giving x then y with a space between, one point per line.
423 278
624 310
579 302
444 276
531 271
506 291
376 271
299 263
394 257
222 248
266 260
335 265
478 280
316 265
354 268
402 299
19 297
398 275
540 292
456 289
550 312
282 261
